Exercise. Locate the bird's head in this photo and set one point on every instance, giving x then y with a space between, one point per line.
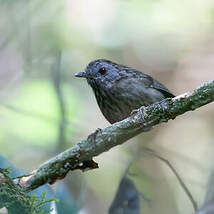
101 72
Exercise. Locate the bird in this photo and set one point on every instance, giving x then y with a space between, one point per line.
120 90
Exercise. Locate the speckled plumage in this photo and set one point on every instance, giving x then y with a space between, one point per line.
120 89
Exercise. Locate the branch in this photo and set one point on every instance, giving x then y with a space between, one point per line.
80 156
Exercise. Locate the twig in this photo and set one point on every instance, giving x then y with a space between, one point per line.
60 100
181 182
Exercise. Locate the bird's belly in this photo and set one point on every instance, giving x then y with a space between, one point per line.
118 106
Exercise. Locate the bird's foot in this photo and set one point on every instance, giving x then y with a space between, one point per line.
142 112
92 136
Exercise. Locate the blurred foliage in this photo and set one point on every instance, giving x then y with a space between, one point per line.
39 110
43 197
127 198
66 203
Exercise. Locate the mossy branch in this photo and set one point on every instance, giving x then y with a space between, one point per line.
80 156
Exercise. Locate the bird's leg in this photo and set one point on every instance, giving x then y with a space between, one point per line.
142 112
92 136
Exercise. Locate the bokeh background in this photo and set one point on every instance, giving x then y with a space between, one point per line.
44 109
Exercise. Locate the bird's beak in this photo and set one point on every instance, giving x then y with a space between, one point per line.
81 74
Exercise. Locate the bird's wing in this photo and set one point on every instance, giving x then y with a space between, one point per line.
147 80
152 83
158 86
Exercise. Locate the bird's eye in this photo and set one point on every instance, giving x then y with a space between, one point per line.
102 71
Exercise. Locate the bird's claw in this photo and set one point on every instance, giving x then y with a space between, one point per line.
141 110
134 111
93 135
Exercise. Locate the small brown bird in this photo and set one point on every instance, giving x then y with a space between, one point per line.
120 89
